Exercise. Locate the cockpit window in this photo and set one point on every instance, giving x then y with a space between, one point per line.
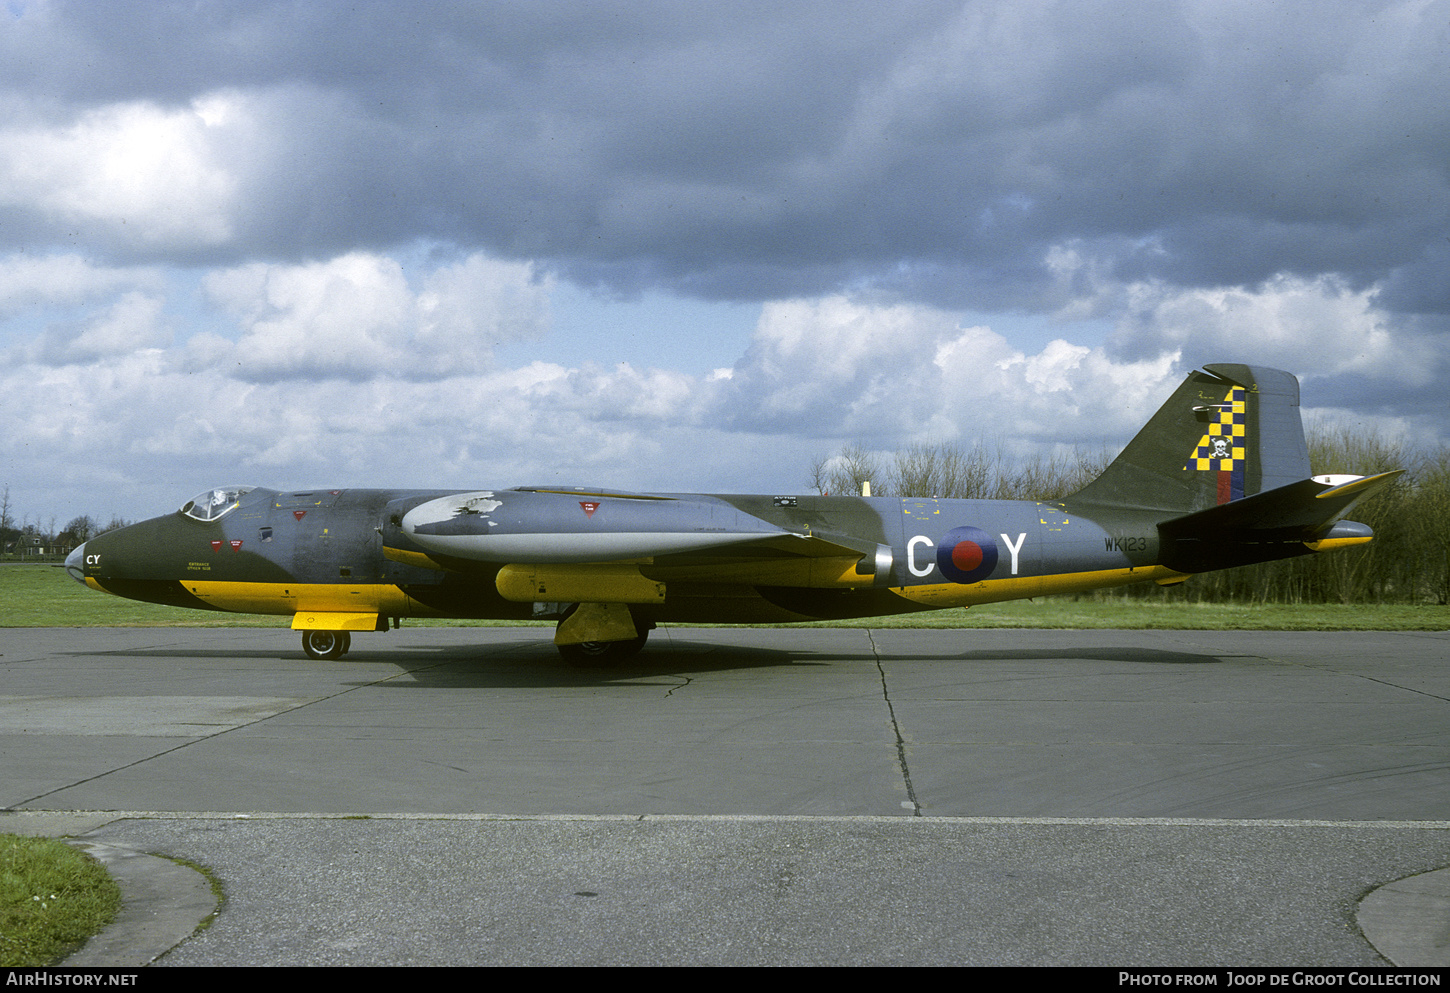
212 504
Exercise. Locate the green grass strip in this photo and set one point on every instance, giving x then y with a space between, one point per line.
52 898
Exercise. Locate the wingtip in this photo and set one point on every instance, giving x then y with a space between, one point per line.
1358 486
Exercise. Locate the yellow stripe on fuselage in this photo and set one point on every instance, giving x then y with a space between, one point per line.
1023 587
289 598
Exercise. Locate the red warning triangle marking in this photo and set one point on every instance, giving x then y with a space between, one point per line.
590 506
299 514
216 546
236 544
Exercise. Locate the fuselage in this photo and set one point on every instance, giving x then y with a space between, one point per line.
672 557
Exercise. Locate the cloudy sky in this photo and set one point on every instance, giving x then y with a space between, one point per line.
680 246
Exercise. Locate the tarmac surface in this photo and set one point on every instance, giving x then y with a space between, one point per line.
743 796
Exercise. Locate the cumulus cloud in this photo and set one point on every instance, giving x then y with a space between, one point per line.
838 368
357 317
133 323
1349 332
830 365
31 281
482 302
348 316
128 173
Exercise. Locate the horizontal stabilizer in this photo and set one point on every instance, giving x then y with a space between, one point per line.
1266 525
1305 506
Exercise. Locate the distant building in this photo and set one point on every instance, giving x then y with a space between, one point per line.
38 546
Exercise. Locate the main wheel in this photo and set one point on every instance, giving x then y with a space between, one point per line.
602 652
325 644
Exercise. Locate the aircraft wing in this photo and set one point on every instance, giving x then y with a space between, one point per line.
566 544
577 526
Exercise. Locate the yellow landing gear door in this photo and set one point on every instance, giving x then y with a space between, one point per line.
331 620
596 622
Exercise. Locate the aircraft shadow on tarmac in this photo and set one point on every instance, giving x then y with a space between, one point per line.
534 663
525 664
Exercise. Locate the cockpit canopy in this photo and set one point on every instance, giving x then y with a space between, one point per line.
215 503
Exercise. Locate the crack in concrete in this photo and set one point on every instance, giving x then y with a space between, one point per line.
895 730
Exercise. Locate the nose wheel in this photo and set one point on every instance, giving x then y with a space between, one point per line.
326 644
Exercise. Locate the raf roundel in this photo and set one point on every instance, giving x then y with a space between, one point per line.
966 555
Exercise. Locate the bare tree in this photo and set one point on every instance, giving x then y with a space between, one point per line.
944 470
9 533
844 472
116 522
821 474
855 465
81 528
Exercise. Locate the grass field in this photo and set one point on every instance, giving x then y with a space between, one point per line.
44 596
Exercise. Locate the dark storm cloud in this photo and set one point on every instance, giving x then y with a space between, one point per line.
938 150
1368 399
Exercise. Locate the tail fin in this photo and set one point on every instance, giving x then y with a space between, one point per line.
1228 432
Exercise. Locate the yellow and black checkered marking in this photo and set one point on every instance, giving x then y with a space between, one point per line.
1222 447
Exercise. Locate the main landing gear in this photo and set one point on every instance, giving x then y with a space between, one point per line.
599 634
602 652
326 644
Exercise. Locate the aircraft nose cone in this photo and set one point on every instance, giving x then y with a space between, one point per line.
75 564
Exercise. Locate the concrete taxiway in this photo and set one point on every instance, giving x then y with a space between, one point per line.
756 796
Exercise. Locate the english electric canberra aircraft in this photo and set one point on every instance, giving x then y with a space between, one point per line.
1218 478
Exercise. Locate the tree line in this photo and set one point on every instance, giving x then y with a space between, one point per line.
40 538
1408 562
